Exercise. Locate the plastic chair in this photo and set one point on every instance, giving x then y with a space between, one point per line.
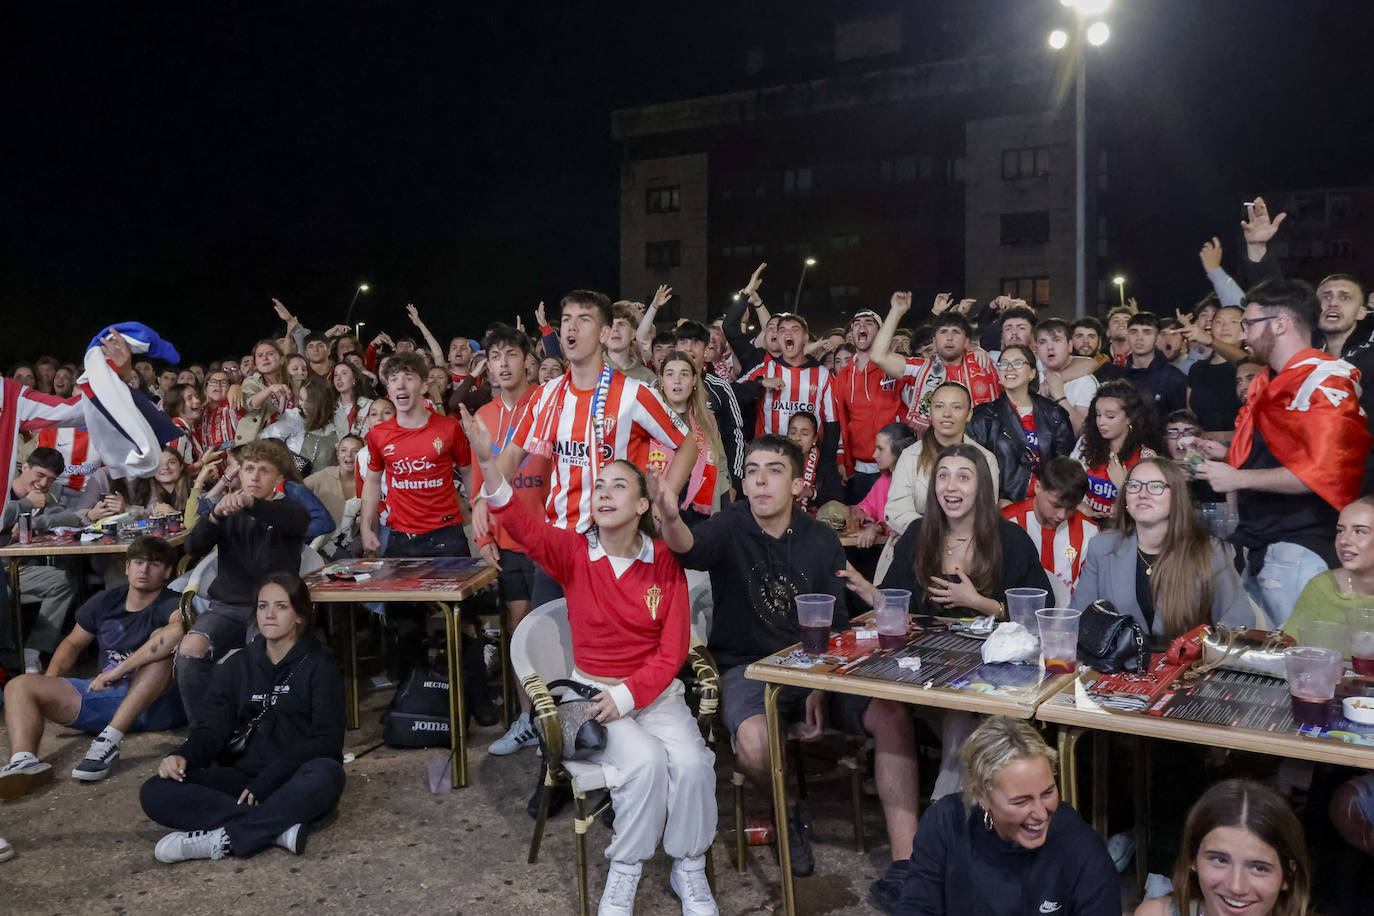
541 651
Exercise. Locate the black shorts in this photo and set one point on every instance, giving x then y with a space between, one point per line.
744 698
516 577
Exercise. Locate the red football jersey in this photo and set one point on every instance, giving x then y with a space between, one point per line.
418 465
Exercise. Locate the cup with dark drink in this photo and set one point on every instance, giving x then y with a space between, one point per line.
815 614
1360 622
1313 672
891 615
1059 638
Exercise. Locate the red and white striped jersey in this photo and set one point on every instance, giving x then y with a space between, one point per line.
922 376
1062 552
187 445
560 422
805 388
80 460
217 424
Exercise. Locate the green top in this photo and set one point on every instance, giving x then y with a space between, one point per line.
1323 599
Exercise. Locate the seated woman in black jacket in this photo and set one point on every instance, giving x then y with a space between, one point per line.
1021 428
290 771
961 555
1006 847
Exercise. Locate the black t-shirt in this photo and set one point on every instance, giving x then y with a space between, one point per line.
1144 564
119 633
1363 360
1268 518
1213 394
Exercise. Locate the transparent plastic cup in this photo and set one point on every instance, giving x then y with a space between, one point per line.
815 613
1325 634
1022 603
1360 620
891 616
1313 673
1059 638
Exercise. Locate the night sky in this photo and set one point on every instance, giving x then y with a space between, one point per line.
181 166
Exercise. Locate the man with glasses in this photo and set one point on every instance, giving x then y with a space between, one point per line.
1299 448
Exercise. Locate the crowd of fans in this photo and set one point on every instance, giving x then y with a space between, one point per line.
1201 465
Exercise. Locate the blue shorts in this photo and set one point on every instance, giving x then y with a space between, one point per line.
97 709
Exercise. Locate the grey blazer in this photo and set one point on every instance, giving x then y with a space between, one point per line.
1109 572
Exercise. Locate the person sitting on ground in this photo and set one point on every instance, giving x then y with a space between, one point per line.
761 554
1058 530
1119 431
667 781
821 482
867 516
1242 851
285 688
133 692
1328 595
258 531
1157 564
1020 427
1006 846
32 493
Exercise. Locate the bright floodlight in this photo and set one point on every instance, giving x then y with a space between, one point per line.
810 262
1119 281
1098 33
1058 39
1091 7
362 288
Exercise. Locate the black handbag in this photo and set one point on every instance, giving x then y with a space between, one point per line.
1109 641
582 734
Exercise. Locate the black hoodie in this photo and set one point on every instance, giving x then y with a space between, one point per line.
264 538
755 577
305 722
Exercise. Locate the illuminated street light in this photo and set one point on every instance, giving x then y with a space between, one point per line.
1120 282
796 300
1098 33
1089 7
362 288
1058 39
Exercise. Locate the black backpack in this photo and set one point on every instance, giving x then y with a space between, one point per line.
418 714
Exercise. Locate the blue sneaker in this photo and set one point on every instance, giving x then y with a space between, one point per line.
521 734
95 766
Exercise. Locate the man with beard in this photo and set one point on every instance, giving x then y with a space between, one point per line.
1344 320
1087 337
1298 452
866 400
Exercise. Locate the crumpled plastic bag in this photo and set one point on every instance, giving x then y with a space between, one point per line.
1011 642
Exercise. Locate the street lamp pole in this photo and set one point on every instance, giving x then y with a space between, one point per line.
796 298
1081 181
1120 282
362 288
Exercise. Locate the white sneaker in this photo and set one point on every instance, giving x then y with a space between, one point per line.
99 759
688 880
622 881
6 850
521 734
197 844
292 839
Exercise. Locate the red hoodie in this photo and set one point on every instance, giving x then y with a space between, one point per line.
866 400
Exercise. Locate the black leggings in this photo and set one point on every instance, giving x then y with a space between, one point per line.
208 799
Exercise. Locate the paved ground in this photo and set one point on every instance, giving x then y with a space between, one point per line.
395 848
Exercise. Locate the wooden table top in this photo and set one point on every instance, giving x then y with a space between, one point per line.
399 579
51 545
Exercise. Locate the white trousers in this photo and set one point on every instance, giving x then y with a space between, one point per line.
662 779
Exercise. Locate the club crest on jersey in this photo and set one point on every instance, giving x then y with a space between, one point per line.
388 448
438 446
608 427
651 600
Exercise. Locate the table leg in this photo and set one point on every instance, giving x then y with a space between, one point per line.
776 749
17 607
1142 810
507 676
1100 783
352 703
1068 765
457 702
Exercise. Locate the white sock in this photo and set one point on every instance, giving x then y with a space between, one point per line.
111 734
633 868
22 757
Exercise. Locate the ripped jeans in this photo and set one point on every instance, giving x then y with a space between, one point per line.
1286 571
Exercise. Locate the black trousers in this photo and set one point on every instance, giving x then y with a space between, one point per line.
208 800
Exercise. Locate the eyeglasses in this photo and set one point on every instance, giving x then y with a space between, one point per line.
1173 433
1248 323
1012 364
1153 487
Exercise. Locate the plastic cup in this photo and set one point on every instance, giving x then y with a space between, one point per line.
815 614
1059 638
1361 623
1325 634
891 616
1313 673
1022 603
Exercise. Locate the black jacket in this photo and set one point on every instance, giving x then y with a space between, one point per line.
997 427
305 722
1160 384
1020 566
756 577
264 538
958 866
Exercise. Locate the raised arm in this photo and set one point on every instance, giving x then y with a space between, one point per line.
676 534
440 358
881 354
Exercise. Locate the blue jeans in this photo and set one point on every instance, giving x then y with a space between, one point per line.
1286 571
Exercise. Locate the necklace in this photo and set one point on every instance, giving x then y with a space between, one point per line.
1149 567
949 551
